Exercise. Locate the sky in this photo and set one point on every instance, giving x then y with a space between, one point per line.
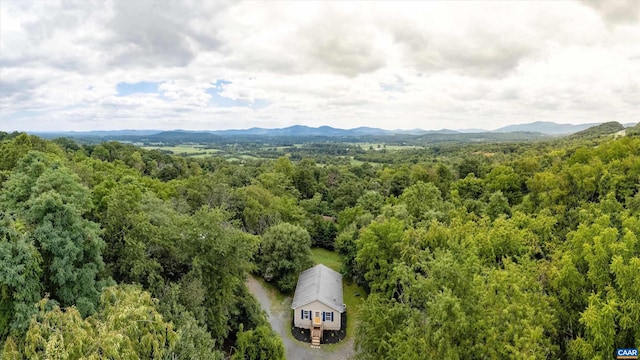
209 65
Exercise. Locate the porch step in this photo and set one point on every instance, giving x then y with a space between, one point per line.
316 335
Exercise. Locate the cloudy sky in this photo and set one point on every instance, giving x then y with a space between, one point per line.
137 64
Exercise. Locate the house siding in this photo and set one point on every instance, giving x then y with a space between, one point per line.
313 307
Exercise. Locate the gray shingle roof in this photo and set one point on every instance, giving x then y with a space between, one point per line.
319 283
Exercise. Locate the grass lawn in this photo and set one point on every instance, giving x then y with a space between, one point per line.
327 258
353 295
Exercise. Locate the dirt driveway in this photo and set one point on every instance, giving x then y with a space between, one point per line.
279 318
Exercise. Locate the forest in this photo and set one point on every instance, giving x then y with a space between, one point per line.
489 250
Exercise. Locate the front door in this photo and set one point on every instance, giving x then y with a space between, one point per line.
317 320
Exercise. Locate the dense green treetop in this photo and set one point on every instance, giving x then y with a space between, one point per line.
285 251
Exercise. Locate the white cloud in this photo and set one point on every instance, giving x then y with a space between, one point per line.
391 65
616 11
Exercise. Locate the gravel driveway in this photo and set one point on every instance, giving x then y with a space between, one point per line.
279 318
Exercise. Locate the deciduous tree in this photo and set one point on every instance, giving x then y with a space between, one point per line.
284 252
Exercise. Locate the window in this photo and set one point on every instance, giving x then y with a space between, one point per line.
327 316
305 314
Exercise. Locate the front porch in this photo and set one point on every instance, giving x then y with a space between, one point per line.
316 331
326 336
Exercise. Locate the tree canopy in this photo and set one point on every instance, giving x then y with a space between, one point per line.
466 250
285 251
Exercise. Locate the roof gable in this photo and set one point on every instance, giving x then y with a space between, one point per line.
319 283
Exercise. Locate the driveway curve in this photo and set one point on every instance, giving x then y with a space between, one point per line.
278 316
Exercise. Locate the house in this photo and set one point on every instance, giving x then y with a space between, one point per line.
317 304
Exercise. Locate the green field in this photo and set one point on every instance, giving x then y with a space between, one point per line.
240 158
184 150
388 147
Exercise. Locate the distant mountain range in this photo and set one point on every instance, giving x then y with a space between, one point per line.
302 130
546 127
99 133
540 127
